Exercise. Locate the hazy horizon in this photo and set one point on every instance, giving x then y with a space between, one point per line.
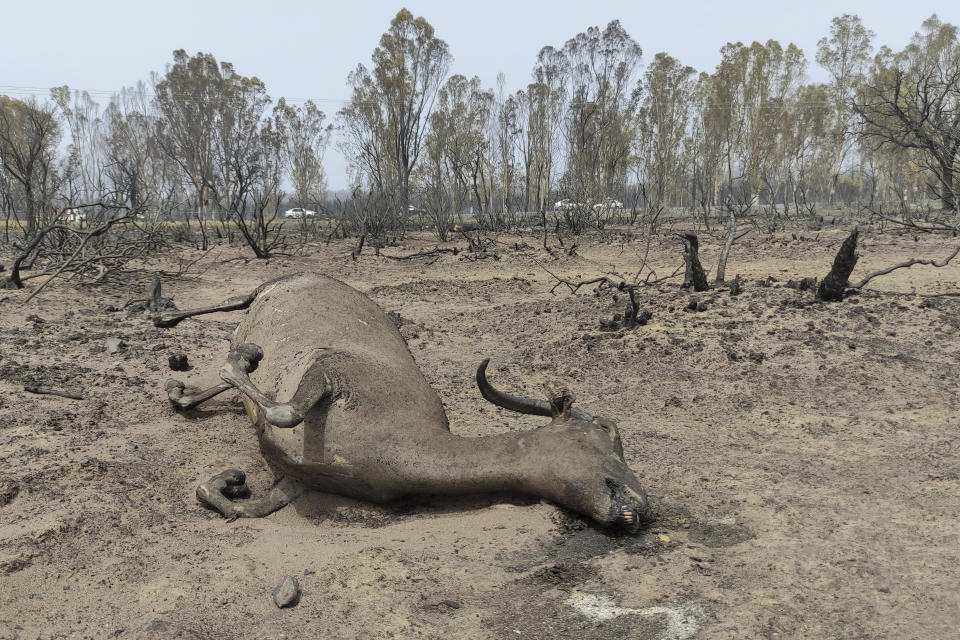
304 51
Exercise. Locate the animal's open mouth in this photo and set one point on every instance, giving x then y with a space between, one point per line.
623 511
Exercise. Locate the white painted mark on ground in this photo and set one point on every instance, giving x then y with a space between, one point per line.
682 621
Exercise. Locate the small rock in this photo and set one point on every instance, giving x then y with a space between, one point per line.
113 345
178 362
644 317
8 491
287 593
804 284
110 309
698 554
453 604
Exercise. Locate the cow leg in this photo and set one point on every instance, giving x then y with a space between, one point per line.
314 386
218 493
182 400
235 303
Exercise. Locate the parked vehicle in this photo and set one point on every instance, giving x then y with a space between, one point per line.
299 212
566 205
74 215
608 204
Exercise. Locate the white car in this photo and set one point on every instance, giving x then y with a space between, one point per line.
299 212
609 204
566 205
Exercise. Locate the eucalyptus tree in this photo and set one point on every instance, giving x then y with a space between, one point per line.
664 118
753 85
87 145
458 127
188 102
29 134
454 157
725 112
306 136
708 147
433 185
386 120
527 103
135 162
506 129
845 54
260 174
208 122
772 76
911 102
808 149
238 150
543 106
604 96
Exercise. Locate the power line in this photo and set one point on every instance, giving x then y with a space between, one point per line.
19 90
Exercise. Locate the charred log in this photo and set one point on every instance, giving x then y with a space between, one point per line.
694 276
833 287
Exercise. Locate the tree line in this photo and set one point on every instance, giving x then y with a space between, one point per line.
595 129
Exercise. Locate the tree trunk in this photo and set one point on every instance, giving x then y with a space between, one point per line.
725 252
948 195
694 276
834 285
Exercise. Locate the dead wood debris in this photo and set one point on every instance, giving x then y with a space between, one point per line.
694 275
425 254
834 285
837 283
47 391
154 302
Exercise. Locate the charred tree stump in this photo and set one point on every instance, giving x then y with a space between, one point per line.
355 253
834 285
154 302
694 275
633 317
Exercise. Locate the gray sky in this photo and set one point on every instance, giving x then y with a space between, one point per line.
304 50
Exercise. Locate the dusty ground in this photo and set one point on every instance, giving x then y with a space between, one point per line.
804 458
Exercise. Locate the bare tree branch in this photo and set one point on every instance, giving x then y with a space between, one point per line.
903 265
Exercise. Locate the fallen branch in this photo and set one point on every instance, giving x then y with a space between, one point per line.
606 282
911 224
632 316
424 254
47 391
904 265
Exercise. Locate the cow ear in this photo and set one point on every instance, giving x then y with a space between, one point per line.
560 397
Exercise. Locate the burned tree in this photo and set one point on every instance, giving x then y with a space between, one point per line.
694 275
835 284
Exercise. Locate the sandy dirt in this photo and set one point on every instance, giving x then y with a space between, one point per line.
803 458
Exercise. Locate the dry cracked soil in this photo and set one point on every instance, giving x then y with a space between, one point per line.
803 458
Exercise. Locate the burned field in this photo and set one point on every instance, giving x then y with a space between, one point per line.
802 457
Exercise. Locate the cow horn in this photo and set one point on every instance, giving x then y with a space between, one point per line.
518 404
